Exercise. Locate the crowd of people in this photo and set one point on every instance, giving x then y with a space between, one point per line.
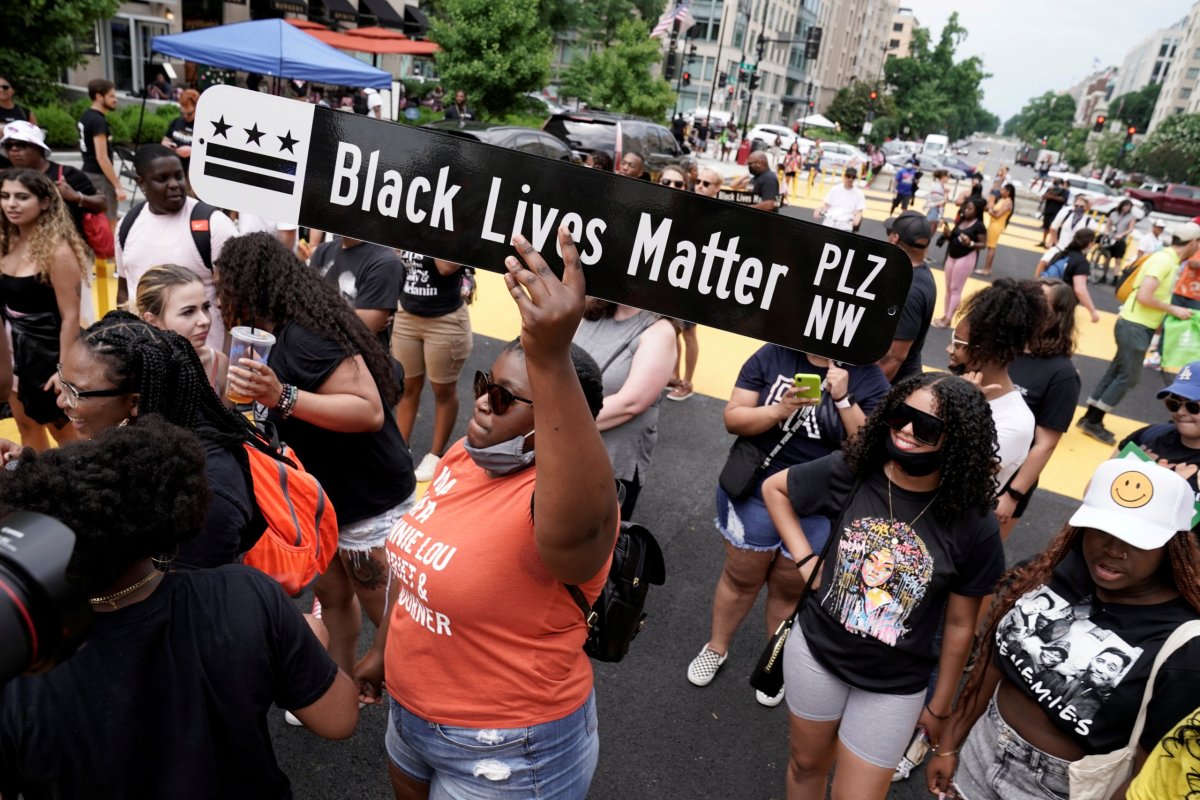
878 515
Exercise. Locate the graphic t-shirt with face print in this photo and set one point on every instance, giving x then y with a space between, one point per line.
1086 662
886 580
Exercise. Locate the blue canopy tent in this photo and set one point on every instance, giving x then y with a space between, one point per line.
271 47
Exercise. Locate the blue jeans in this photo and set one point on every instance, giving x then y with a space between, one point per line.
1125 369
995 763
554 760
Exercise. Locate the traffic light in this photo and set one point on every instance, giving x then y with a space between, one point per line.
1099 126
669 69
722 80
874 96
741 74
1129 132
686 78
691 56
754 80
1132 130
810 105
730 90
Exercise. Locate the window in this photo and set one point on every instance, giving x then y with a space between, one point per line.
894 44
1185 93
1162 51
1193 73
897 27
129 50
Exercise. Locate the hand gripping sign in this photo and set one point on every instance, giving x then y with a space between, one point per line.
762 275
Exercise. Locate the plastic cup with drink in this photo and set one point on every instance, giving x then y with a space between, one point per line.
252 343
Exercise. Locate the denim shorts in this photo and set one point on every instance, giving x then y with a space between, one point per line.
747 525
552 761
995 763
370 533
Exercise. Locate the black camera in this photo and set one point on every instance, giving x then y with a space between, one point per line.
43 618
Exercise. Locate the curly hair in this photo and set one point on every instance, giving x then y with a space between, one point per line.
1002 319
131 493
1057 334
165 370
258 279
1182 567
54 226
968 474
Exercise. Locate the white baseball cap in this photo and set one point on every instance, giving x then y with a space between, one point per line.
22 131
1136 501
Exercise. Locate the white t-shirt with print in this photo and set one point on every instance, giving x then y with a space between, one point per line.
843 204
1015 426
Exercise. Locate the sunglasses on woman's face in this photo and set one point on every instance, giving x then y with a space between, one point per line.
1174 403
500 399
706 184
926 428
674 184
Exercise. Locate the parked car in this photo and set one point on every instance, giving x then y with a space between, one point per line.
1104 198
840 154
586 132
928 164
524 140
551 106
954 162
1172 198
767 134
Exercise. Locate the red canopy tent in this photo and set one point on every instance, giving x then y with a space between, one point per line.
375 40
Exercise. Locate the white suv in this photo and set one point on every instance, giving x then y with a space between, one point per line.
767 134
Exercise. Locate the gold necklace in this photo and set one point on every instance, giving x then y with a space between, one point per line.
112 599
891 515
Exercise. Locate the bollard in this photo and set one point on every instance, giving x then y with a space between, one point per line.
106 286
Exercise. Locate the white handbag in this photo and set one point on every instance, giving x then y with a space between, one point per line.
1098 777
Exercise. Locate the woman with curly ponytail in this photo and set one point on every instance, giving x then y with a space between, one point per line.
1068 644
916 550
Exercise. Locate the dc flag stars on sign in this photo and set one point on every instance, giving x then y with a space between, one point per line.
256 152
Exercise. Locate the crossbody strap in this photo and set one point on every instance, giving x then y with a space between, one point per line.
1178 638
833 534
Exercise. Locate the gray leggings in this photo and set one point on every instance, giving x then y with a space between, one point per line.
875 727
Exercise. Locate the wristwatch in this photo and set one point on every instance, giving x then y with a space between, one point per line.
845 402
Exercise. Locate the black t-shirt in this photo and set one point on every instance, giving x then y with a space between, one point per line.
14 114
974 229
92 124
885 583
915 320
77 181
1050 387
180 132
427 292
229 514
1053 201
765 185
364 474
1076 264
1086 663
368 276
169 698
1164 441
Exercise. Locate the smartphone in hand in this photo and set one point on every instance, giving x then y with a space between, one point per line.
807 385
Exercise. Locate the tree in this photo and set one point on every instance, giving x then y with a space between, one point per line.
599 20
618 78
40 38
494 50
1172 151
1135 108
851 104
1049 115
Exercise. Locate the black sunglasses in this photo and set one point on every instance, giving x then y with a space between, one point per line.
703 182
500 399
926 428
669 182
1174 403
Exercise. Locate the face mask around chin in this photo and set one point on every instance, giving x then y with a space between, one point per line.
916 465
502 458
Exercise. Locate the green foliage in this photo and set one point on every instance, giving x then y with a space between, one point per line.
123 123
1073 146
494 50
1106 149
850 105
62 131
618 78
598 21
1135 108
932 92
1050 115
1172 152
425 115
38 40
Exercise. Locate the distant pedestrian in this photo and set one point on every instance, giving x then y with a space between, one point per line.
910 232
633 166
1053 200
964 242
999 212
906 186
179 133
602 161
844 204
95 143
792 160
459 110
708 183
10 111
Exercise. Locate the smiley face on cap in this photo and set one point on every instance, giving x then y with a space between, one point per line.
1132 489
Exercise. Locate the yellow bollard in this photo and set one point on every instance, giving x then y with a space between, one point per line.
106 286
812 177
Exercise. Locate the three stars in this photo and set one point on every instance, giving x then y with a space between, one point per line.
253 135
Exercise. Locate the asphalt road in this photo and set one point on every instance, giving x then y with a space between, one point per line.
661 737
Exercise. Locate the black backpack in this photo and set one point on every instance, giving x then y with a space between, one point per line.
616 617
201 234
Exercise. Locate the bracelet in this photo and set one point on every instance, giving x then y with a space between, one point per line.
953 752
1019 495
938 716
287 400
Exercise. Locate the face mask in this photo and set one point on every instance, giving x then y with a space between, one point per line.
916 465
504 458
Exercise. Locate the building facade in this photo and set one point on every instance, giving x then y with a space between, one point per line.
1149 61
856 42
1180 92
900 41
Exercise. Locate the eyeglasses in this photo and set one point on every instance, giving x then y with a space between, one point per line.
954 340
500 399
926 428
675 184
4 87
72 396
703 182
1174 403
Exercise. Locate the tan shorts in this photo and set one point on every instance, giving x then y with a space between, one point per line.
437 346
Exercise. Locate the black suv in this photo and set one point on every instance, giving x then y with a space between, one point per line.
523 140
586 132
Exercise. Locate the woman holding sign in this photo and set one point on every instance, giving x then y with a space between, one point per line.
498 705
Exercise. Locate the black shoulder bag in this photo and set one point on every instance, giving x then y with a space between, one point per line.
745 463
767 676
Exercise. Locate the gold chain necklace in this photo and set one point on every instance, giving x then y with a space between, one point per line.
891 515
112 599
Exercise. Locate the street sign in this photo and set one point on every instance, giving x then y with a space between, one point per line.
867 127
763 275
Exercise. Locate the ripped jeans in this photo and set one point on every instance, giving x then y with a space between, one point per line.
551 760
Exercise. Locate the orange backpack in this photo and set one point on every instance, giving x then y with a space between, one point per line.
301 533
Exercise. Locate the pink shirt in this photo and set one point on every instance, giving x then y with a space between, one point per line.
167 239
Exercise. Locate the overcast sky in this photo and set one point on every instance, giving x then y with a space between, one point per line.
1034 46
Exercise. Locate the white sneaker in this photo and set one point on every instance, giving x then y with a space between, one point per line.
704 666
424 470
903 770
767 700
292 719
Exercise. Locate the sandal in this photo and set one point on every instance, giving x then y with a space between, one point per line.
940 323
681 392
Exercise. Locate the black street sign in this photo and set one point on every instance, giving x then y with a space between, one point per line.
762 275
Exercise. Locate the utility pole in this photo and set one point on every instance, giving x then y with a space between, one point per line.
712 92
758 57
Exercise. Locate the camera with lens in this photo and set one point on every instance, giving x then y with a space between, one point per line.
43 618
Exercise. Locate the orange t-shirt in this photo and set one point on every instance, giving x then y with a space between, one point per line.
1188 284
482 636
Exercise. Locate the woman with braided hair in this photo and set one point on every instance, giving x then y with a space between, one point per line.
41 270
330 388
123 368
1122 575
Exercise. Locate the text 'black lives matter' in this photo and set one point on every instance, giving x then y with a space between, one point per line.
767 276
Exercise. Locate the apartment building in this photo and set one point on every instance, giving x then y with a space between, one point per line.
900 42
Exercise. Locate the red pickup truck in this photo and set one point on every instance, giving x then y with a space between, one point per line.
1174 198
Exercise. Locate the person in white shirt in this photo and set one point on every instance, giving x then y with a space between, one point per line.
844 205
162 230
935 201
1151 241
1070 219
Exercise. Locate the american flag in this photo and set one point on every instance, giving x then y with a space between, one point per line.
680 11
